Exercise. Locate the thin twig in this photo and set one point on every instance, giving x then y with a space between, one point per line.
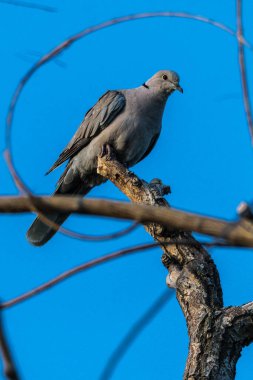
105 237
74 271
133 334
9 369
101 260
243 71
27 4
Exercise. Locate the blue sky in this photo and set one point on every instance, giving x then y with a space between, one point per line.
204 153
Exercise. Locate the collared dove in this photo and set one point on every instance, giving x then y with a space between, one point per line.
128 120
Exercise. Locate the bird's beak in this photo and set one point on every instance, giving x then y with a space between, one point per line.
179 88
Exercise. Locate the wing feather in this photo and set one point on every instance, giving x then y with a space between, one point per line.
95 121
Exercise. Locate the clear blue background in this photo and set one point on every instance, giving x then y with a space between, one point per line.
204 153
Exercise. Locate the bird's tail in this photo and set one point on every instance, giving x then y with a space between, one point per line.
40 232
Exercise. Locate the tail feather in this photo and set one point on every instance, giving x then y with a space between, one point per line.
39 233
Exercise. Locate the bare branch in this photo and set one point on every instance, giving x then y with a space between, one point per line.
71 272
10 371
27 4
90 264
111 236
133 333
105 237
242 63
240 233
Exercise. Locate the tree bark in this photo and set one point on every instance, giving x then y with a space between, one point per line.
216 334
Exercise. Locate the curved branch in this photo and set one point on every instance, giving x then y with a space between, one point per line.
71 272
133 333
90 264
28 4
242 64
9 369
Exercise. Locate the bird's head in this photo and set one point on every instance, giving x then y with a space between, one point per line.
165 82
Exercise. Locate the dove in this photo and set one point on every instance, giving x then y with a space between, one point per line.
129 121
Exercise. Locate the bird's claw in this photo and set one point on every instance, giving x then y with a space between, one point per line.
103 151
158 184
106 151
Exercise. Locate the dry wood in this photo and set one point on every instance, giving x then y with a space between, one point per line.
238 233
217 334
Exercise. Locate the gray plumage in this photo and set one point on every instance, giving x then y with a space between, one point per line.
128 120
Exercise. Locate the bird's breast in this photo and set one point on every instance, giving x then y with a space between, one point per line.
134 137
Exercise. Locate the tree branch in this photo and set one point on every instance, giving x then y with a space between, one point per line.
8 363
243 71
216 334
28 4
239 233
132 334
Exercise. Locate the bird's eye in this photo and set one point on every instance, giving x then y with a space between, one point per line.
165 77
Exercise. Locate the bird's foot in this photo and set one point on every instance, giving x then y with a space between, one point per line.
107 152
159 185
103 151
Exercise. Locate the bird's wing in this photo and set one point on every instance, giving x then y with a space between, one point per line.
151 146
95 121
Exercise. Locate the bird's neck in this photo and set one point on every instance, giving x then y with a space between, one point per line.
155 101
